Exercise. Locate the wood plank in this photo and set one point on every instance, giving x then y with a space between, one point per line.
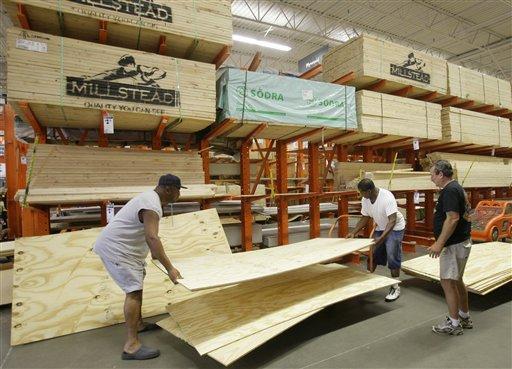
487 268
6 249
222 270
256 305
61 286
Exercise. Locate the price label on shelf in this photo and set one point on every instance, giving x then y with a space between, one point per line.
110 212
108 124
416 197
416 144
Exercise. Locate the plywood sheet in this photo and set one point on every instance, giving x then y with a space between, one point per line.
488 267
210 271
6 248
256 305
61 287
230 353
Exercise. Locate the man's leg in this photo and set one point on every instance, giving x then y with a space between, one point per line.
132 306
463 296
451 294
393 246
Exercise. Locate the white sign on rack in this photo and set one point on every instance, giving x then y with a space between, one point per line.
110 212
416 144
108 124
24 44
416 197
2 170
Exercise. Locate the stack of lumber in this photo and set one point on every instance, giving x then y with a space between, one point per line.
477 171
68 83
475 128
61 286
196 30
346 172
394 115
398 180
231 322
472 85
285 103
63 174
371 59
488 267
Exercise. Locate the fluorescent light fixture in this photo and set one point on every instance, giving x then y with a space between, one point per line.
253 41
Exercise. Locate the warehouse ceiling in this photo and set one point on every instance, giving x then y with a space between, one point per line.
475 34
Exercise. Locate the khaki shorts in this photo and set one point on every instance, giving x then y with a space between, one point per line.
128 276
453 259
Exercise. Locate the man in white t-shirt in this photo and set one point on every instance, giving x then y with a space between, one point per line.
380 205
123 246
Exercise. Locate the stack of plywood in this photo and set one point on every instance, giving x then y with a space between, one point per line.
488 267
196 30
73 174
475 128
472 85
478 171
345 172
371 59
393 115
68 82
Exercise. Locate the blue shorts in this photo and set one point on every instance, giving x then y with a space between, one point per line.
390 251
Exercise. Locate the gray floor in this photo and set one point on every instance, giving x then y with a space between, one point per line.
364 332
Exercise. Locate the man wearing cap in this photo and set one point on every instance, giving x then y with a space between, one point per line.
123 246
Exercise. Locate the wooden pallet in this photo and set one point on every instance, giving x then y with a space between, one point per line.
68 83
197 30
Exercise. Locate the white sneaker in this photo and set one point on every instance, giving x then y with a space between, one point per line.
394 293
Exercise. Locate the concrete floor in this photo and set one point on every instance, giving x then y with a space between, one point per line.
364 332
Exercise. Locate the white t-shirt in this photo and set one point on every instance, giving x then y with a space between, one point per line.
384 205
124 238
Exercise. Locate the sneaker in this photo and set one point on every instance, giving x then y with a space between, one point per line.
393 294
466 323
446 327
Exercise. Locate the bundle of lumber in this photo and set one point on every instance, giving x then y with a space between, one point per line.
288 105
61 286
394 115
479 87
66 174
345 172
371 59
196 30
475 170
475 128
398 180
69 83
487 268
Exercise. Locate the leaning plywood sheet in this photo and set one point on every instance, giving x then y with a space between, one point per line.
394 115
488 267
477 170
210 271
217 319
68 83
230 353
61 286
470 127
371 59
196 30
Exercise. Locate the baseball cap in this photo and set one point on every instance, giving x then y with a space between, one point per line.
170 180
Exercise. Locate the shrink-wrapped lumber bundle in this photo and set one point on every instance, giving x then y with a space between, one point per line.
286 104
475 128
483 89
476 170
68 82
191 29
394 115
371 59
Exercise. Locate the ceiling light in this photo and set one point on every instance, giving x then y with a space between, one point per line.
253 41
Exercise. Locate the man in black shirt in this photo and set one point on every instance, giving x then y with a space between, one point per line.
452 231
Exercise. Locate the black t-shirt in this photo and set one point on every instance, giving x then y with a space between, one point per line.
452 198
